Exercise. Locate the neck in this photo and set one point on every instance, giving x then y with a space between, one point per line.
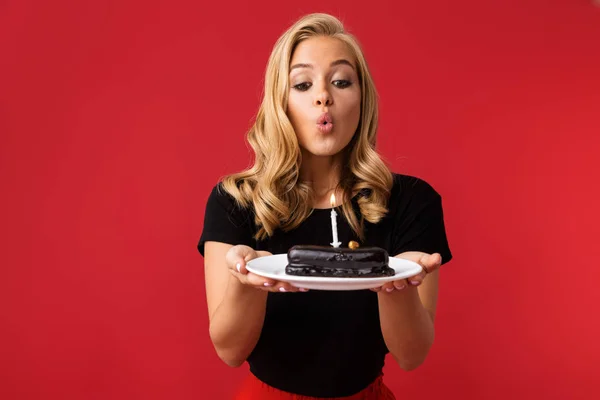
323 174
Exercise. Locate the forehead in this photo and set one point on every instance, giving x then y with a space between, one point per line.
321 51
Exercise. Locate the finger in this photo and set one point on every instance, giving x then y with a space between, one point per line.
387 287
428 261
286 287
251 254
399 284
253 280
236 257
416 280
239 276
414 256
259 281
431 262
435 262
241 263
240 266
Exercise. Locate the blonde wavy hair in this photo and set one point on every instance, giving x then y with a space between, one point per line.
272 184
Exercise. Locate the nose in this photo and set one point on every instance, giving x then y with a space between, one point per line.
323 98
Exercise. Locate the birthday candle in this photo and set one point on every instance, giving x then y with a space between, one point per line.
336 242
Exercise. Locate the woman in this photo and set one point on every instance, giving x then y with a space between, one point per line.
315 135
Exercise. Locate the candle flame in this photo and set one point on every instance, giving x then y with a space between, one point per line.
332 199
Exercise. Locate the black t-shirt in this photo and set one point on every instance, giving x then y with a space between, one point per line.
329 343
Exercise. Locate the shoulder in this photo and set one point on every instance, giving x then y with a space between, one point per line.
221 200
408 187
219 195
416 209
412 196
225 220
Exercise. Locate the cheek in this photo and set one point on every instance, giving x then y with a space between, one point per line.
295 115
352 108
294 111
356 108
357 101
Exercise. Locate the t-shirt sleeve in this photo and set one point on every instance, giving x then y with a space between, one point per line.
420 224
225 221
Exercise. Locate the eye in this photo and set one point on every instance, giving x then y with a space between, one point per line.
302 87
341 83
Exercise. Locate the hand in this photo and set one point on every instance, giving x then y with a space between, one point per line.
236 259
429 263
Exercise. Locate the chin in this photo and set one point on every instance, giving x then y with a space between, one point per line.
324 148
323 152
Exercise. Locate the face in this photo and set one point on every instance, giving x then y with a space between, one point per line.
324 97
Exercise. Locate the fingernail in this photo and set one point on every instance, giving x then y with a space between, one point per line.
268 284
238 266
400 287
389 289
415 282
282 289
303 289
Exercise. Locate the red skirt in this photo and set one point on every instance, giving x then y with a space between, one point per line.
254 389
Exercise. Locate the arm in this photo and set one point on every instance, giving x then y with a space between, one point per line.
407 316
236 311
236 300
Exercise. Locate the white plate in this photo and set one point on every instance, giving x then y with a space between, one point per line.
273 267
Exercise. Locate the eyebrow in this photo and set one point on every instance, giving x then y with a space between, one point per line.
333 64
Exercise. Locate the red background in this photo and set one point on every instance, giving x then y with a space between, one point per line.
117 118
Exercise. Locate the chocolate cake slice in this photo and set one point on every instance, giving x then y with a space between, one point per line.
306 260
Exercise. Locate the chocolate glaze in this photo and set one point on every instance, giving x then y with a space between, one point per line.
305 260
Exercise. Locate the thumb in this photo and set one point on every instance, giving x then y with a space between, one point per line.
431 262
237 257
414 256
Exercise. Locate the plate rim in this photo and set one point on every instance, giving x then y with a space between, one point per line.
331 280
